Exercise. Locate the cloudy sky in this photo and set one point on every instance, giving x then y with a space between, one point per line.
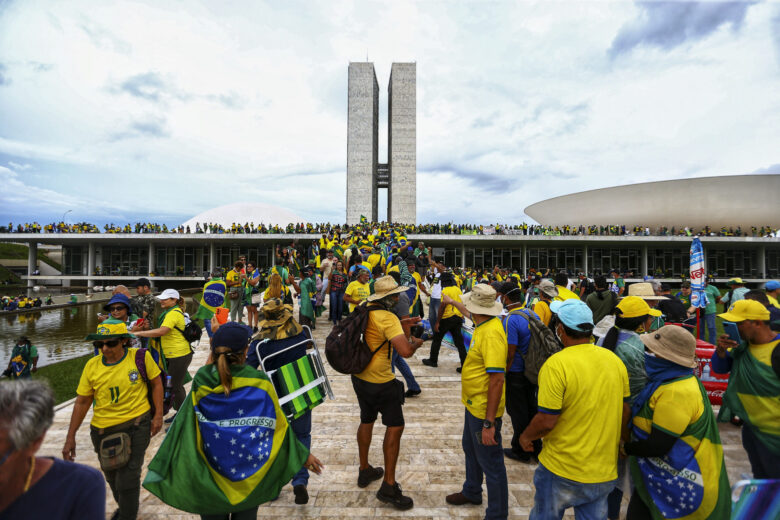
124 111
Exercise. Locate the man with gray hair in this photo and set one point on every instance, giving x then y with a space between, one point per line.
40 487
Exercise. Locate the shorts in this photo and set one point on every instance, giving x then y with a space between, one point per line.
375 398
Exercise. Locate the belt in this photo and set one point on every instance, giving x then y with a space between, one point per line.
122 426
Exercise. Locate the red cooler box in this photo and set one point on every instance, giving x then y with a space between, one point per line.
715 384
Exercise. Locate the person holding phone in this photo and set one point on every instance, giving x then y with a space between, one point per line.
752 358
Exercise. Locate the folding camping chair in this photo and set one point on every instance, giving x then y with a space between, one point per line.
301 384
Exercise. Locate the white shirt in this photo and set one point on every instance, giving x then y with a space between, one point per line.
436 288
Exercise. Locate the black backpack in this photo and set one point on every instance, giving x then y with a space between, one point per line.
346 347
541 346
192 332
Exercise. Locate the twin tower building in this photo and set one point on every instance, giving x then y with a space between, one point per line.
365 174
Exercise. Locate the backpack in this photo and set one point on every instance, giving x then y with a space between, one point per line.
140 364
346 347
192 332
542 345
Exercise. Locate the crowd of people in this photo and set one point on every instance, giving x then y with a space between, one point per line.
596 377
426 229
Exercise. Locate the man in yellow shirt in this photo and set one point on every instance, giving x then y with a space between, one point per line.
482 393
358 290
378 391
583 413
772 289
112 386
547 291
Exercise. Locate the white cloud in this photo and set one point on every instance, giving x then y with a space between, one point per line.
200 104
19 167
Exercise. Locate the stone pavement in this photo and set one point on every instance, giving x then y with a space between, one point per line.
430 465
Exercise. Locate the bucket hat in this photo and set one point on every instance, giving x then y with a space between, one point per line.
644 290
110 329
118 298
548 288
672 343
573 313
385 286
482 300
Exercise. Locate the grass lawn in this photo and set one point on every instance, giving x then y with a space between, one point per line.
63 377
20 252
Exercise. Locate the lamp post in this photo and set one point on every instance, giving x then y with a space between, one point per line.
63 215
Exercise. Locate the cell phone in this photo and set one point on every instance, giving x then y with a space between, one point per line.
731 329
222 315
478 435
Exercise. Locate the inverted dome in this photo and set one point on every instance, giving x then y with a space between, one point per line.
243 212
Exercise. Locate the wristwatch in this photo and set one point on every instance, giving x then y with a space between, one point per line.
486 425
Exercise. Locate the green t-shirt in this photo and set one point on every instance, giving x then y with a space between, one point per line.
713 293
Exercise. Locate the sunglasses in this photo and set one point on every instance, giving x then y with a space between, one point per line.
110 343
116 308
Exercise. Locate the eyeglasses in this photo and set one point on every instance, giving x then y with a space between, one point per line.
116 308
110 343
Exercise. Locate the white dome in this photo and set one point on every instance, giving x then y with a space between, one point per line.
245 212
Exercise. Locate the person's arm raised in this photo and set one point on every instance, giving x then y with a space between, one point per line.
404 346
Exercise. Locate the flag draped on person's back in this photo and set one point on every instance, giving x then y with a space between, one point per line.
225 454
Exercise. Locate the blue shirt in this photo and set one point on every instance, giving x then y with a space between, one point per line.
518 333
68 491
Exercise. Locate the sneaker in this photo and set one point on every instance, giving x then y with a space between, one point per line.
459 499
301 495
392 495
524 458
413 393
428 363
458 369
368 475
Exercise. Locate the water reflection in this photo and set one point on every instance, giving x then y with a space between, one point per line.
58 334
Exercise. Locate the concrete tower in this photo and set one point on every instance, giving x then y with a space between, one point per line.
364 173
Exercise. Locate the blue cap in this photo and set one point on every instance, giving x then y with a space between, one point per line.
118 298
573 313
232 335
772 285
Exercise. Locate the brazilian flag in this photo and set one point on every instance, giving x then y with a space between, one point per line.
225 454
690 482
752 395
214 294
363 219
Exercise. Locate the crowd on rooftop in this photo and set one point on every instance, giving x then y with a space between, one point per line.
426 229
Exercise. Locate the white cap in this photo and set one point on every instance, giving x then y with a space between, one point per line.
168 293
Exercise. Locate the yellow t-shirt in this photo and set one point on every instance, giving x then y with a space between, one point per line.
232 276
763 352
565 294
450 310
173 344
393 269
375 260
542 309
382 326
487 355
118 391
357 291
585 386
675 406
773 301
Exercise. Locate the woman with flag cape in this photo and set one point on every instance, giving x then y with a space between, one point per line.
230 448
676 457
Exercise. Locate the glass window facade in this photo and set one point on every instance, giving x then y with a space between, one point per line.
725 263
604 259
667 262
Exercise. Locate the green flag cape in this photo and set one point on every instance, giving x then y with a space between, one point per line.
753 395
690 482
225 454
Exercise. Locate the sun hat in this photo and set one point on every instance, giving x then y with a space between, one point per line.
118 298
573 313
735 281
634 307
385 286
482 300
168 293
772 285
742 310
110 329
672 343
232 335
644 290
278 321
548 288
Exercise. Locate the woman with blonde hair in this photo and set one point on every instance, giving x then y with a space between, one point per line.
231 449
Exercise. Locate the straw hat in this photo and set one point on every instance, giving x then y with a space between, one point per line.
672 343
482 300
385 286
644 290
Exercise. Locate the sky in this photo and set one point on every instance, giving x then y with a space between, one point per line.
155 111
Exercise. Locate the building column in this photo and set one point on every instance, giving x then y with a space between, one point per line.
150 263
762 262
525 261
90 266
643 262
212 258
463 256
32 264
273 255
585 260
